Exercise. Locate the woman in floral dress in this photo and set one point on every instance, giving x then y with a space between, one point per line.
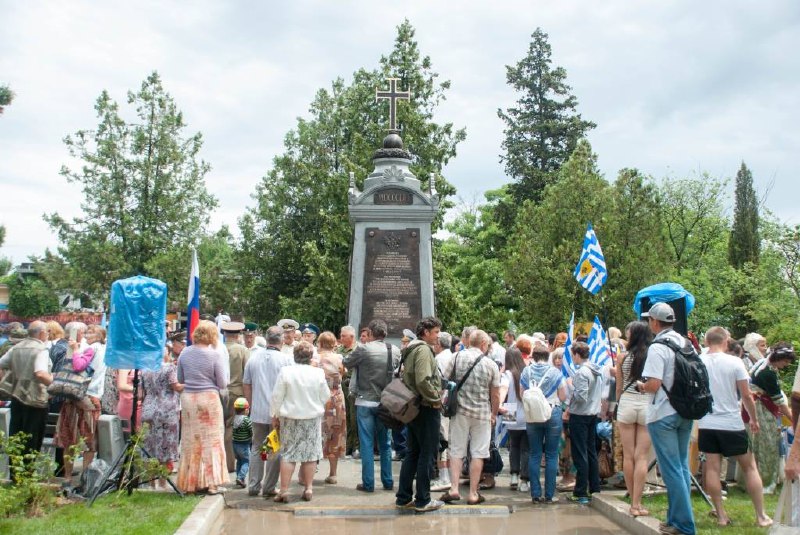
161 412
334 427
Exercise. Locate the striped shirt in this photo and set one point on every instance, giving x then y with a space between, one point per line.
201 370
242 428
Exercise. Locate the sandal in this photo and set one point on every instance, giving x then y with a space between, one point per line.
281 497
307 495
639 511
480 500
449 498
330 480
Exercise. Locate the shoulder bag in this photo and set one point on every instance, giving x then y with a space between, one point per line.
450 397
398 402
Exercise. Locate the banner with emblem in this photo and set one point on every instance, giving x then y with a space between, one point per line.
591 272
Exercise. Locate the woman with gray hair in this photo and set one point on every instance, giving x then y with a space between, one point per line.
298 403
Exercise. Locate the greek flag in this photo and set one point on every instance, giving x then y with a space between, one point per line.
591 272
599 350
568 367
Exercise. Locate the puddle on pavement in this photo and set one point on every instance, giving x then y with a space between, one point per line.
564 520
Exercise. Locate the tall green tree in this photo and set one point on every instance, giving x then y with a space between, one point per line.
6 96
296 241
744 249
547 240
745 243
543 128
142 187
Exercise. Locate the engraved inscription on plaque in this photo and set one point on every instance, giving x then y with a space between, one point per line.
393 196
391 279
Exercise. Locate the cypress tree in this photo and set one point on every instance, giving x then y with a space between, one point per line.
745 244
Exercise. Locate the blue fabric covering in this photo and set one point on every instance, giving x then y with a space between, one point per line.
661 293
136 334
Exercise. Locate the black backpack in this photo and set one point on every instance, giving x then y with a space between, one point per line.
690 395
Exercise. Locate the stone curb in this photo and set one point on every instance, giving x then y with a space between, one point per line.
383 511
203 517
617 511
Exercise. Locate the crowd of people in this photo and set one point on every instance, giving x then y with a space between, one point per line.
214 405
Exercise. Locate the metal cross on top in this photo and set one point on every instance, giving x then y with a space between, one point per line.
392 95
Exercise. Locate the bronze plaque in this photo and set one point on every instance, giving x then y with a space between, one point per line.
393 196
391 279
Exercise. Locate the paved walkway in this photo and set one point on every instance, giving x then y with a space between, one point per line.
349 511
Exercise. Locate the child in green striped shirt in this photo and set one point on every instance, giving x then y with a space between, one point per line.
242 439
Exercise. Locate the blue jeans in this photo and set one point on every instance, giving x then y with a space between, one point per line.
670 437
423 446
544 436
583 442
368 427
241 450
400 441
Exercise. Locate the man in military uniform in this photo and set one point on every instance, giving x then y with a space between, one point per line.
309 332
289 327
238 355
250 333
347 336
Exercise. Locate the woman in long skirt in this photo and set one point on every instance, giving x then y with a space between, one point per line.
202 464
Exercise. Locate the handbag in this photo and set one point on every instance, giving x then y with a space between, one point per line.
605 464
450 396
397 400
787 513
494 464
69 383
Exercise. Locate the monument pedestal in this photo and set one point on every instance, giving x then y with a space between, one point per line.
391 271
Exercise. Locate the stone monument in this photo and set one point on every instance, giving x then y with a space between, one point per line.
391 270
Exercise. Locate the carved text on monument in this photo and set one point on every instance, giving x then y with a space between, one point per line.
392 278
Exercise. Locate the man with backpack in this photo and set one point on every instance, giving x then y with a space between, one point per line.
669 430
421 375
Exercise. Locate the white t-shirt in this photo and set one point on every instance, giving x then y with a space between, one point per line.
660 364
723 372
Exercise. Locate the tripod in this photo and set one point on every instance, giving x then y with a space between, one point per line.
127 478
695 484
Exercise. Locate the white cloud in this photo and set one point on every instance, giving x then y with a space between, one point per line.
673 86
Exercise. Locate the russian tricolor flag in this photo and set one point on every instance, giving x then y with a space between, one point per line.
193 298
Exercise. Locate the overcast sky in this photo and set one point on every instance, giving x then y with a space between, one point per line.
675 87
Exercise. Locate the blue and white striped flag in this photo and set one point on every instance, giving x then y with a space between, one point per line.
591 272
599 350
567 366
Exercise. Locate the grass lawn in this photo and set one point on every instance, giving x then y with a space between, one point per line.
738 506
143 513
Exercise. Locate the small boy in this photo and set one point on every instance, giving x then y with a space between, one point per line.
242 439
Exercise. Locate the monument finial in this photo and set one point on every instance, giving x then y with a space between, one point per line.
392 95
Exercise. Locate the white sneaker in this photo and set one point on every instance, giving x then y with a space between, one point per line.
440 484
432 505
524 486
514 481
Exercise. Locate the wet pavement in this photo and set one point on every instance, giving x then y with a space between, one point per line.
340 508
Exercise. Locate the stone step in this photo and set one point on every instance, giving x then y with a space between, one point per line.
383 511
